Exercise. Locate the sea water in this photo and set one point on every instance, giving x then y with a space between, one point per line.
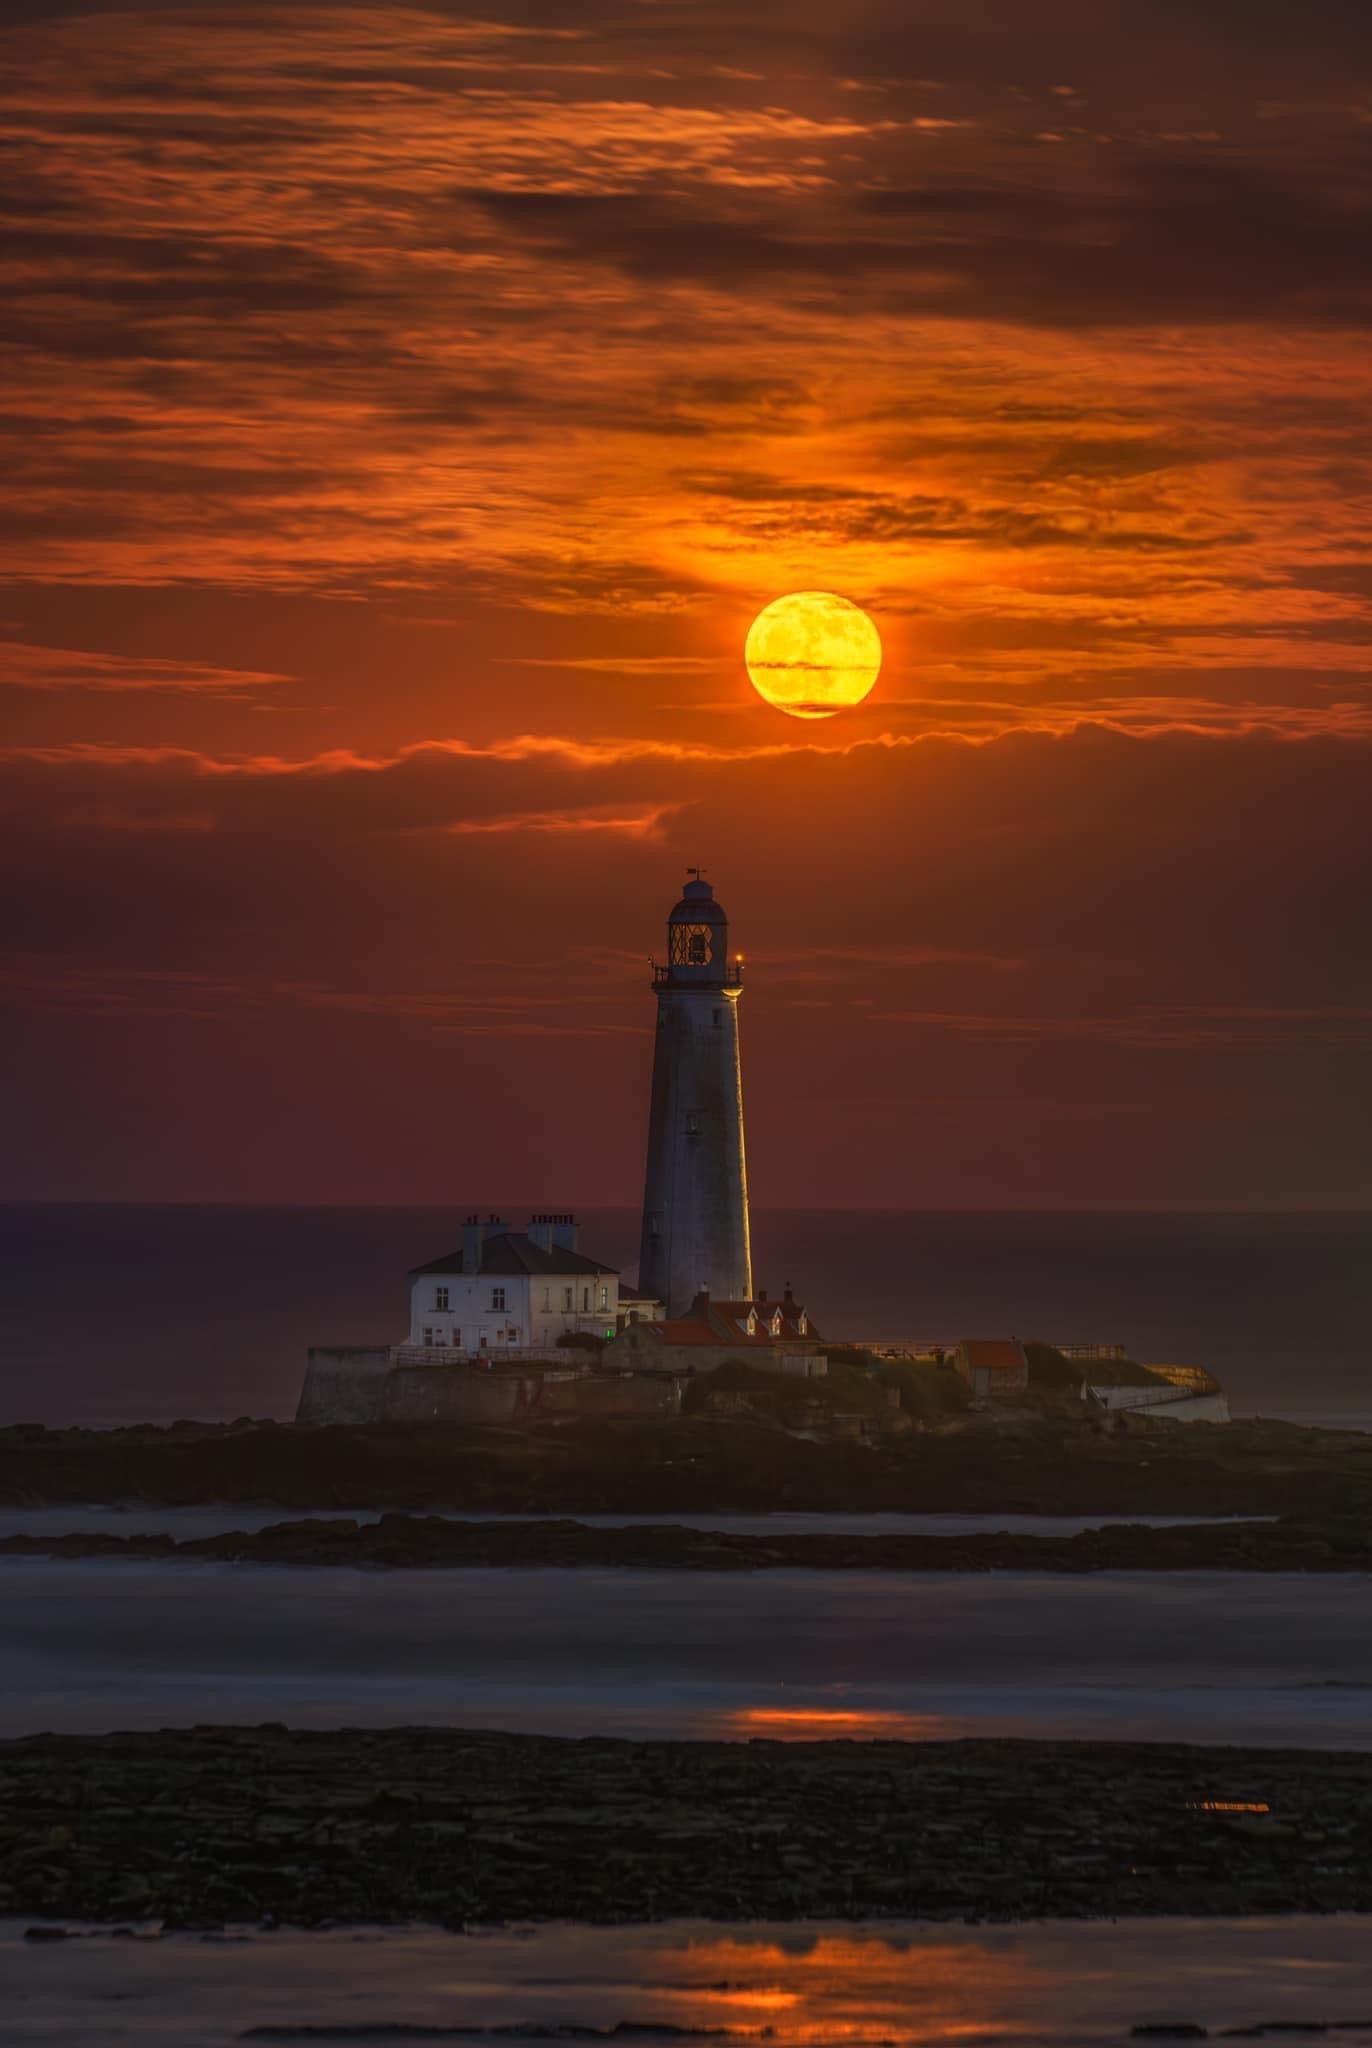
1238 1657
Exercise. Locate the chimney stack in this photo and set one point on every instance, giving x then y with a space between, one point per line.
474 1236
554 1232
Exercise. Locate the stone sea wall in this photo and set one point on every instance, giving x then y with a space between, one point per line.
344 1384
362 1385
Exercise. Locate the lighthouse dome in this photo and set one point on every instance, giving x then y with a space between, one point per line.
697 905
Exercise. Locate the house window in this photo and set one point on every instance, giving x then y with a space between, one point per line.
604 1297
585 1301
457 1340
567 1300
497 1297
428 1335
547 1297
440 1297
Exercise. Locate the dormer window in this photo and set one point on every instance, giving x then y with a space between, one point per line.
775 1324
803 1324
751 1325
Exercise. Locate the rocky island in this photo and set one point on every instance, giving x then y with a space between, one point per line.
693 1465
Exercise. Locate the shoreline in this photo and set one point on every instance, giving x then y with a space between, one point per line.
398 1542
203 1827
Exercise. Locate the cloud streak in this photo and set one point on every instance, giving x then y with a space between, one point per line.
26 667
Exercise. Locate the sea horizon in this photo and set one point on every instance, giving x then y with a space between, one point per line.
152 1312
533 1204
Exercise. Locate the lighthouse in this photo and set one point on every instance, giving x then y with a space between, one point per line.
695 1196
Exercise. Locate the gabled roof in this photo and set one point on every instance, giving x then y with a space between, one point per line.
730 1320
512 1252
725 1324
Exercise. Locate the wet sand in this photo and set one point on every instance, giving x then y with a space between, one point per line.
795 1985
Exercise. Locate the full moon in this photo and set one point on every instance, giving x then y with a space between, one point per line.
812 654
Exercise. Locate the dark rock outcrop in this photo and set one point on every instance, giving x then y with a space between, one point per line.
410 1542
204 1826
693 1465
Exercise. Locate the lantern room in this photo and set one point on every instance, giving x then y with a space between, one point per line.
697 940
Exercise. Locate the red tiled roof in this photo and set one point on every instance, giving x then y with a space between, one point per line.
681 1332
1002 1352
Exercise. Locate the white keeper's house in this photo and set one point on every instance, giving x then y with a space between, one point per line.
511 1290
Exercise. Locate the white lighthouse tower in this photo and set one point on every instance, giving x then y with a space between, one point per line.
695 1196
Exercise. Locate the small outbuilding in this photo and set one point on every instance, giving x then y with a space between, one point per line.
1165 1393
995 1368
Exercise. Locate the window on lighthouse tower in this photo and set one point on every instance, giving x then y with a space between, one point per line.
690 945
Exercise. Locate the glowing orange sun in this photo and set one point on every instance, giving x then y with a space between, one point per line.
812 654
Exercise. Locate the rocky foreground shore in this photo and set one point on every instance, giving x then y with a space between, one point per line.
211 1825
1024 1465
427 1542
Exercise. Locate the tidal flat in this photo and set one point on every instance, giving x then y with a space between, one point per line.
791 1984
201 1827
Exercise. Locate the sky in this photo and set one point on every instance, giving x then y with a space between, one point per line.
404 412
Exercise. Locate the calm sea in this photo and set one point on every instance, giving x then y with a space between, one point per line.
1250 1658
123 1314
